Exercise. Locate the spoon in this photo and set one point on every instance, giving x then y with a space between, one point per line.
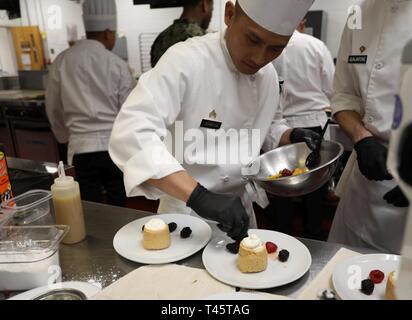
313 159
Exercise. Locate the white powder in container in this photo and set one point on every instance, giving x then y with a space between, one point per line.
21 276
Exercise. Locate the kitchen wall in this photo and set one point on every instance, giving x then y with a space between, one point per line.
8 65
53 17
337 13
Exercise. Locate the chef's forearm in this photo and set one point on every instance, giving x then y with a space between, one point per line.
351 123
285 139
179 185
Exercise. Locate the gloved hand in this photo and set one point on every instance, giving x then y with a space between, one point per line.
372 159
228 211
311 138
397 198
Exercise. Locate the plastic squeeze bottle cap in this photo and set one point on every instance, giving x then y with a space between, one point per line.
62 180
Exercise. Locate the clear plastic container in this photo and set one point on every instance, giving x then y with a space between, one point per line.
29 256
32 207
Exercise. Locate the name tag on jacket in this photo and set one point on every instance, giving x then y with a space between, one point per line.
358 59
210 124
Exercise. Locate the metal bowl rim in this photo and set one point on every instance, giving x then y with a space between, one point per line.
61 291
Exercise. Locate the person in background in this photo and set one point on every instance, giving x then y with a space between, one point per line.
193 22
87 85
223 80
372 210
307 69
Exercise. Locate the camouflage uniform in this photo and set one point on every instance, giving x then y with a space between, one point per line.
180 30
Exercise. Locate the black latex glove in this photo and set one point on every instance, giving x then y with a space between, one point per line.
397 198
228 211
311 138
372 159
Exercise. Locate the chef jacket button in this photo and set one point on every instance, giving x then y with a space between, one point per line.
394 9
253 78
370 119
225 179
379 65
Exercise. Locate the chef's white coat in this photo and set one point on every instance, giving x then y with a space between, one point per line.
86 87
307 69
194 80
363 217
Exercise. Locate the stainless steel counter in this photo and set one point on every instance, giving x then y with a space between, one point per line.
95 260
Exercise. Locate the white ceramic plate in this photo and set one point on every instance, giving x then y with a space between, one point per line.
222 264
128 241
88 290
348 275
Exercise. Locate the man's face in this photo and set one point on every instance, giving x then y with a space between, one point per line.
110 37
208 7
250 46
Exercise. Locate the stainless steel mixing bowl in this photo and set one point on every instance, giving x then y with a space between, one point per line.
291 157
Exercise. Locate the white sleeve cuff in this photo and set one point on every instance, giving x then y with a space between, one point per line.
277 129
155 162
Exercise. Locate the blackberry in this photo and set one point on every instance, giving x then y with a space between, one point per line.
367 286
172 226
233 247
186 232
283 255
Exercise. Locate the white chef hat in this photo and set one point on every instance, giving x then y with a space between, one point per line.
100 15
278 16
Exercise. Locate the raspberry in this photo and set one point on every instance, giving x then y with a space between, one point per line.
286 173
186 232
172 226
376 276
271 247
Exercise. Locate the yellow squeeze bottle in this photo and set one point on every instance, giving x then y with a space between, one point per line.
68 206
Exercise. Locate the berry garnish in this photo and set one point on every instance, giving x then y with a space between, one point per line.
186 232
367 286
286 173
233 247
271 247
283 255
376 276
172 226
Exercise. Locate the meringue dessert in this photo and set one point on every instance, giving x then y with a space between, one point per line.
253 256
156 235
390 286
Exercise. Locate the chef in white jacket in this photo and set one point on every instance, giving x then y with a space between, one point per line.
220 85
372 210
87 85
307 69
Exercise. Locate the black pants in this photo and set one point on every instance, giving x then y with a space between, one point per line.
282 210
99 178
